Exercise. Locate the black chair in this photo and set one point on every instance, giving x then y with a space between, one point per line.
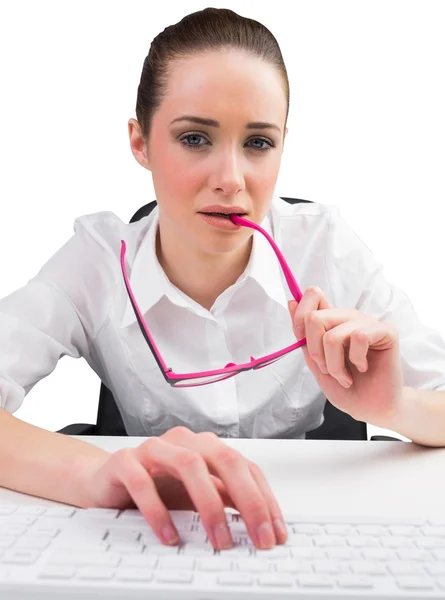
337 425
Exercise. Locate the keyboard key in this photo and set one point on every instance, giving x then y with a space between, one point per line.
174 577
328 567
362 541
329 541
433 531
139 561
79 559
33 543
252 565
396 542
20 557
293 566
96 573
198 550
355 582
415 582
378 554
315 581
59 512
38 530
367 567
343 554
7 529
215 564
30 510
404 568
126 548
277 552
235 579
403 530
308 553
181 563
97 513
275 580
56 573
308 528
340 529
7 509
134 574
413 554
373 530
435 568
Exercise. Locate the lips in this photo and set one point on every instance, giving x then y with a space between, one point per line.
223 211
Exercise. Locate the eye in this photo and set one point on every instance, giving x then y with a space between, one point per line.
265 148
192 137
191 140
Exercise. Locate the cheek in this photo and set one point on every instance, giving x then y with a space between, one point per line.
172 173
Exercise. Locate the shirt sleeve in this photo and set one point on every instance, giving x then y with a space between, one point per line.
57 313
357 280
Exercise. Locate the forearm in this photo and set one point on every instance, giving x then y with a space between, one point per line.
43 463
420 417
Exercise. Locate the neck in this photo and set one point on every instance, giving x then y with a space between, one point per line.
202 276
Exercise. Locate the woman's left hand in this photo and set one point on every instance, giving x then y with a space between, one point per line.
354 357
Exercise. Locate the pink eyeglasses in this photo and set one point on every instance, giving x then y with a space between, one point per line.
231 369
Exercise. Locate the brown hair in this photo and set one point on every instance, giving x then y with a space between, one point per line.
208 29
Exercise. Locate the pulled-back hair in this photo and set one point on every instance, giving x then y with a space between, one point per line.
211 29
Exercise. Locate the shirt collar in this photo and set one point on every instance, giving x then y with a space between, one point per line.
150 283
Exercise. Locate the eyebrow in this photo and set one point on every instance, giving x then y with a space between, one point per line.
213 123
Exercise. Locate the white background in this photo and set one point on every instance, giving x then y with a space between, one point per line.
366 132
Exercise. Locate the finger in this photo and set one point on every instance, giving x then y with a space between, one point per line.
190 467
274 509
233 469
313 299
222 491
336 343
143 491
359 336
318 323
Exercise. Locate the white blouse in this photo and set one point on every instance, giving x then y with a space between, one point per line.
77 305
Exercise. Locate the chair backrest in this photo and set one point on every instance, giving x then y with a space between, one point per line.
337 424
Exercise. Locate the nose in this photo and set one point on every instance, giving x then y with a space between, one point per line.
227 173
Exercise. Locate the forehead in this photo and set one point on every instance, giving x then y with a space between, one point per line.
227 84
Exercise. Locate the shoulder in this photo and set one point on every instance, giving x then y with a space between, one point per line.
297 224
104 231
292 217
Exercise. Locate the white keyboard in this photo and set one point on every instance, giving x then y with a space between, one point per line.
71 553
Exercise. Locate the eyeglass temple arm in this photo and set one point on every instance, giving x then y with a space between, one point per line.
293 285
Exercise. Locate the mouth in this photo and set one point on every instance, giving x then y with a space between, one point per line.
224 215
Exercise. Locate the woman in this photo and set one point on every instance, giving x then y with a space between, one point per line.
208 293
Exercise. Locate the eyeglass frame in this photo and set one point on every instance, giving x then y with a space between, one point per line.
231 369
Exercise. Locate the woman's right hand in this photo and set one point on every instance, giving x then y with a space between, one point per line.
189 471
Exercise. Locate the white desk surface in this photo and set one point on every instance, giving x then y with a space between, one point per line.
314 477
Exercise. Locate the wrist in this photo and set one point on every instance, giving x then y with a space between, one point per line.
396 417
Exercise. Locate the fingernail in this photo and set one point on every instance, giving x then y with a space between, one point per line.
323 368
345 383
266 535
170 535
222 536
281 529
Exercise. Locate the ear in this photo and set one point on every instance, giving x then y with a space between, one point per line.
137 144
